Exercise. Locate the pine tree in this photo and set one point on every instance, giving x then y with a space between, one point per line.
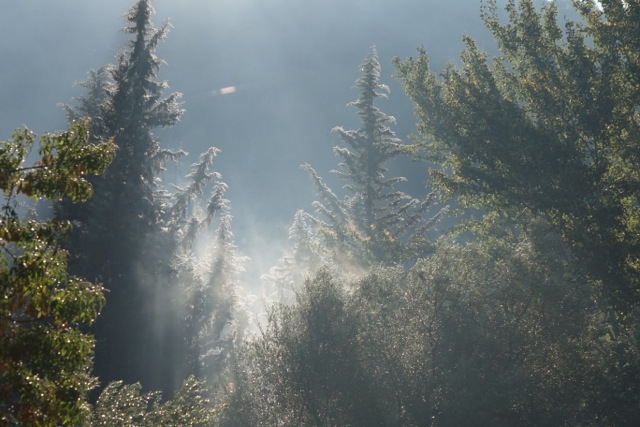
206 282
126 102
374 222
95 102
222 325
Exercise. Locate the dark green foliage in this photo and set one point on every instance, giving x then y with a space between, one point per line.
117 234
141 238
45 357
501 331
502 322
125 101
546 136
549 129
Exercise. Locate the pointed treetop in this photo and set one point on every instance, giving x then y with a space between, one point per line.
139 16
368 82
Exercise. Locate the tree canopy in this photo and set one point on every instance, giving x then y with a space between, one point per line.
526 312
548 128
45 354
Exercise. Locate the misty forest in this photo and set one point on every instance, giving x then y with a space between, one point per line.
323 213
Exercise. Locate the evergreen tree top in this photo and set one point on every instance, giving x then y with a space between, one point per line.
139 16
369 82
374 219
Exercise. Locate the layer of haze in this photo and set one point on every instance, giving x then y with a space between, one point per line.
293 64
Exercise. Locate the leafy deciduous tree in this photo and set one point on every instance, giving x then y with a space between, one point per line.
550 129
45 356
125 405
499 331
549 132
303 369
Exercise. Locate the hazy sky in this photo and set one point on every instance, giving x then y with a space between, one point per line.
294 63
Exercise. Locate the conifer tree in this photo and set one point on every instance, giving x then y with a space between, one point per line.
95 102
206 282
220 325
127 103
306 254
374 222
145 234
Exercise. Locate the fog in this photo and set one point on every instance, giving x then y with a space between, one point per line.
283 295
293 64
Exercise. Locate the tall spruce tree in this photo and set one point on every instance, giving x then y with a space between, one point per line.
374 222
126 102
